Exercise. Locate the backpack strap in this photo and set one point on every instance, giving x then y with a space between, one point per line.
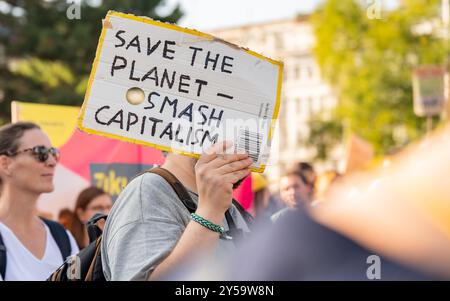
2 258
61 237
93 230
177 186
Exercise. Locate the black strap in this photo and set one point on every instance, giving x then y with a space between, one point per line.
60 236
93 230
2 258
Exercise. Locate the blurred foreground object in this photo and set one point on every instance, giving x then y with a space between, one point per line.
399 215
359 153
402 210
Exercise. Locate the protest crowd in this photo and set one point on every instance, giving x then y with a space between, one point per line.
149 232
188 197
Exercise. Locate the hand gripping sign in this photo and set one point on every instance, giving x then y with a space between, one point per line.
181 90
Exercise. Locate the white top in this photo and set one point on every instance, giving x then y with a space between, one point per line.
22 265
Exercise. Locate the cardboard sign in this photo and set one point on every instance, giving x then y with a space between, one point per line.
428 90
181 90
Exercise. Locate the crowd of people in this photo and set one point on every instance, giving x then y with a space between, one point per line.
184 211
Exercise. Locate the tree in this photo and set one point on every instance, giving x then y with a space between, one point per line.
369 63
47 56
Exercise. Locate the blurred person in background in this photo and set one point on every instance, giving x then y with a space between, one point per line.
389 224
90 201
295 193
31 247
306 171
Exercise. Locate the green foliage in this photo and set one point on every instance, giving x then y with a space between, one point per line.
369 63
48 56
323 135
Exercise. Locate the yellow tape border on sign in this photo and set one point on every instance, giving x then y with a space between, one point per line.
180 29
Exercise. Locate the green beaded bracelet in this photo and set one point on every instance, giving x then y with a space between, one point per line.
205 223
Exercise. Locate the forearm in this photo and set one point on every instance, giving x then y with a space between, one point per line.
196 240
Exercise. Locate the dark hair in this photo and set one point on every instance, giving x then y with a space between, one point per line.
301 166
65 218
66 212
10 135
78 229
299 170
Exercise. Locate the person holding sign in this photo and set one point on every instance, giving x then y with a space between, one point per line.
181 91
149 231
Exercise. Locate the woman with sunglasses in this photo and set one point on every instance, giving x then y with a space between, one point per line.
31 248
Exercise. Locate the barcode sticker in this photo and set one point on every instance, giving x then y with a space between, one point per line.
250 142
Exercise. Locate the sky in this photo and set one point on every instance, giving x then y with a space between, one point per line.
215 14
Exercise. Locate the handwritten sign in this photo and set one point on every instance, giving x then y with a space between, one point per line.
181 90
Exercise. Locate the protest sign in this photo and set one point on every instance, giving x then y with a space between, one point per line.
428 90
181 90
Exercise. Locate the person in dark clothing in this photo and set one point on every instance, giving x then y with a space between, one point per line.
298 248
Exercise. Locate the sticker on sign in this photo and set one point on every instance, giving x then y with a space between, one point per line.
180 90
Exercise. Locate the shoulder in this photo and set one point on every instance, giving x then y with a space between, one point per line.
144 184
58 232
148 197
146 190
150 182
279 214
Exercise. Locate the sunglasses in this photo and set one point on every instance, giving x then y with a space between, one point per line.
40 152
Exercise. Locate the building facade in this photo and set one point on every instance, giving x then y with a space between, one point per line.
304 94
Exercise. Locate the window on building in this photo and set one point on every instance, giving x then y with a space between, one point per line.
309 72
297 72
283 108
278 39
323 103
318 105
263 39
310 107
305 108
